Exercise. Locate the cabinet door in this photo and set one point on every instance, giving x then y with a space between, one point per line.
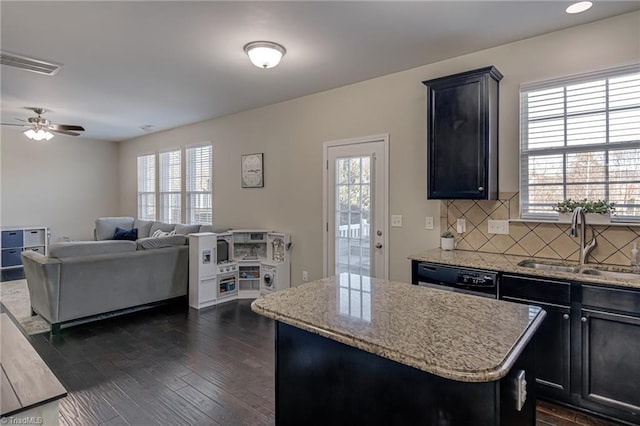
456 139
553 349
611 360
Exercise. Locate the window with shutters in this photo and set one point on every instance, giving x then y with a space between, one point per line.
198 188
580 138
170 193
147 187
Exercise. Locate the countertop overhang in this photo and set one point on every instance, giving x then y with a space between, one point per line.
509 264
455 336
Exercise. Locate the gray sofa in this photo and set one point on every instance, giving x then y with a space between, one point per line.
81 279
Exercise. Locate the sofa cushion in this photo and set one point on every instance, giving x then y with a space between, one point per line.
124 234
164 227
88 248
154 243
205 228
186 229
106 226
144 227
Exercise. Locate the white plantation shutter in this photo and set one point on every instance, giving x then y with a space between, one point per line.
170 186
199 184
147 187
580 138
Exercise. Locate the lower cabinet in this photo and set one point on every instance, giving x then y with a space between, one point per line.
610 350
588 347
553 339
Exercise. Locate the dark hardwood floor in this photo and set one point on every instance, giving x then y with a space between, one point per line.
167 366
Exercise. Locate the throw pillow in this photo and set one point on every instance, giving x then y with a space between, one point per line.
124 234
160 234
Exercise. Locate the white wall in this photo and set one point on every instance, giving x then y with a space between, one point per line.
291 136
64 184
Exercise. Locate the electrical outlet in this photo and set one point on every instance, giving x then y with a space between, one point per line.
305 276
461 226
428 222
396 220
498 226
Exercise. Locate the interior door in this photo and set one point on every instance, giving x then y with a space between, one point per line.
356 207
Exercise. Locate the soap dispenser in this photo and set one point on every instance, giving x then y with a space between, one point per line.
635 258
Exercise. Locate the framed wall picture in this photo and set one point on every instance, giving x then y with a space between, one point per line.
252 171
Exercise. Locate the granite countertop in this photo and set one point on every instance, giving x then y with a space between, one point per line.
509 264
456 336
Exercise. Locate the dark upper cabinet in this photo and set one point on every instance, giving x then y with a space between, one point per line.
462 135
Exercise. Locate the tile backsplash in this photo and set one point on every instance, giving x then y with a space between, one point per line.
535 239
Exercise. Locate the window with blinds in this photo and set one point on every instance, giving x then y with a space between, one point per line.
580 138
170 180
147 187
198 188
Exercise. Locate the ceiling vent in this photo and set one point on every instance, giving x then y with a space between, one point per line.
29 64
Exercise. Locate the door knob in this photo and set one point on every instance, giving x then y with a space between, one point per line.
378 245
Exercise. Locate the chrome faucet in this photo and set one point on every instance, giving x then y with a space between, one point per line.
585 248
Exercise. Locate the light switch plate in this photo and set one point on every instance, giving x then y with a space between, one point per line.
396 220
498 226
428 223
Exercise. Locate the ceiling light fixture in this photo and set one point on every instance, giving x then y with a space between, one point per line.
578 7
264 54
38 134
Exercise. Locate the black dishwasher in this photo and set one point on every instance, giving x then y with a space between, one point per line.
453 278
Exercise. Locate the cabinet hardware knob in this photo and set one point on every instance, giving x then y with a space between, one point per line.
583 319
481 188
378 245
379 233
565 316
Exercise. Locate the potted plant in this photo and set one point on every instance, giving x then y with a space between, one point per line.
598 211
447 242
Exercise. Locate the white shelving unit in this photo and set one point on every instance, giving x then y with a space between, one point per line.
16 239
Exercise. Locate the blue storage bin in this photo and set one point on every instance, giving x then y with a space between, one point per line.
11 257
12 239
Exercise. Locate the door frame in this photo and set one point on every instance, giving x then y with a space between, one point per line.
384 138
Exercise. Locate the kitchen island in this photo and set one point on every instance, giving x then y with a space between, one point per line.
358 350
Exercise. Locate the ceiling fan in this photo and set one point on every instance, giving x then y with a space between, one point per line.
40 128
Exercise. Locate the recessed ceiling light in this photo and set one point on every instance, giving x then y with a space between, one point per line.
578 7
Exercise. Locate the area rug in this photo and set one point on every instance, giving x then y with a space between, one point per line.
14 295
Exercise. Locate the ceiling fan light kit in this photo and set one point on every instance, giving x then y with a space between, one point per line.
264 54
38 135
39 128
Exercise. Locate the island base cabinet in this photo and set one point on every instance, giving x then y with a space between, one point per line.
320 381
611 363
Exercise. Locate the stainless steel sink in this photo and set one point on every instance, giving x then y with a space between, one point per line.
577 270
548 266
611 274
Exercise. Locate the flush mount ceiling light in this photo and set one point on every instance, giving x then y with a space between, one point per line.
264 54
578 7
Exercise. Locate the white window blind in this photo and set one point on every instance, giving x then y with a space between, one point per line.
170 186
147 187
580 138
198 188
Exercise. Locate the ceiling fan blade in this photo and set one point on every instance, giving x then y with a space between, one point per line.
12 124
64 132
66 127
